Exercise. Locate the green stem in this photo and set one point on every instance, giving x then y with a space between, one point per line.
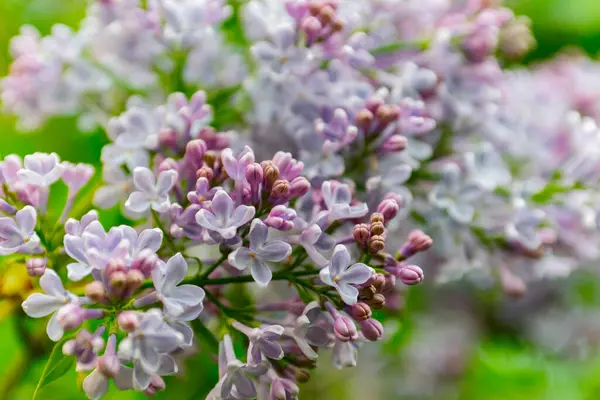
166 236
213 267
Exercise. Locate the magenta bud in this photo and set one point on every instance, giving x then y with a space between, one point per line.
344 328
389 209
36 266
281 218
194 152
395 143
311 26
360 311
145 262
168 164
70 316
411 275
299 186
167 138
156 384
254 174
371 329
418 241
128 321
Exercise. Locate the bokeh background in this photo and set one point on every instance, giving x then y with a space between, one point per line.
453 342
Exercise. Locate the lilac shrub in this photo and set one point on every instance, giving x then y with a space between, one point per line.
288 156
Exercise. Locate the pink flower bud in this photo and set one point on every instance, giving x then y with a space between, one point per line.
389 209
371 329
128 321
36 266
70 316
395 143
156 384
96 292
254 174
299 186
194 153
168 164
281 218
361 234
411 275
360 311
344 328
417 242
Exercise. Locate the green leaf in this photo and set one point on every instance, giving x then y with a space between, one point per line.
57 366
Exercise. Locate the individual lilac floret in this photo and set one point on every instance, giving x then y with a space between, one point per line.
337 132
76 228
85 347
263 341
177 299
260 252
236 166
238 376
339 275
524 227
148 348
39 305
337 198
18 235
40 169
315 242
222 217
281 218
455 195
306 332
108 367
282 388
76 176
289 168
151 193
345 354
283 57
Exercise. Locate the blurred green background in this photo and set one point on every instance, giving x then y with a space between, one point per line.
499 365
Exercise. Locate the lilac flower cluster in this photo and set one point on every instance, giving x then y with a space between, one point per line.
375 121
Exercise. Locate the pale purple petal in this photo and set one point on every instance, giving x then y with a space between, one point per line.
244 386
150 239
207 220
348 293
175 272
138 202
240 258
261 273
339 260
54 329
166 181
51 284
222 207
258 234
275 251
26 219
95 385
39 305
241 215
144 180
357 274
272 349
78 271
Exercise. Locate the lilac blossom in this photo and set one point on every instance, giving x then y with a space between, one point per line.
222 218
260 252
151 192
40 169
337 198
18 234
455 195
342 276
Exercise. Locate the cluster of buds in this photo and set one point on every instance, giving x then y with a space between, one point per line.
318 20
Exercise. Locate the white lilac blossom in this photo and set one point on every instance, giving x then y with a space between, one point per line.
343 277
222 217
18 234
260 251
151 192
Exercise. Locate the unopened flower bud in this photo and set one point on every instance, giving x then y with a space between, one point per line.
371 329
311 26
96 292
395 143
156 384
377 217
361 234
270 172
70 316
511 283
206 173
194 153
344 328
411 275
168 164
128 321
417 242
376 244
109 365
364 120
299 186
378 282
254 174
281 218
145 262
281 188
389 285
377 228
210 157
367 292
36 266
135 278
389 209
302 375
326 15
338 25
377 301
360 311
118 280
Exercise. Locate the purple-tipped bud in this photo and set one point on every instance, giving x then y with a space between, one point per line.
281 218
411 275
128 321
156 384
395 143
36 266
254 174
70 316
168 164
299 186
418 241
194 153
371 329
361 234
360 311
145 262
344 328
96 292
389 209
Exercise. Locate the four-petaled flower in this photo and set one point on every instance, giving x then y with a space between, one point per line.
39 305
260 252
19 234
151 193
342 277
236 166
40 169
263 342
455 195
337 198
222 217
182 300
